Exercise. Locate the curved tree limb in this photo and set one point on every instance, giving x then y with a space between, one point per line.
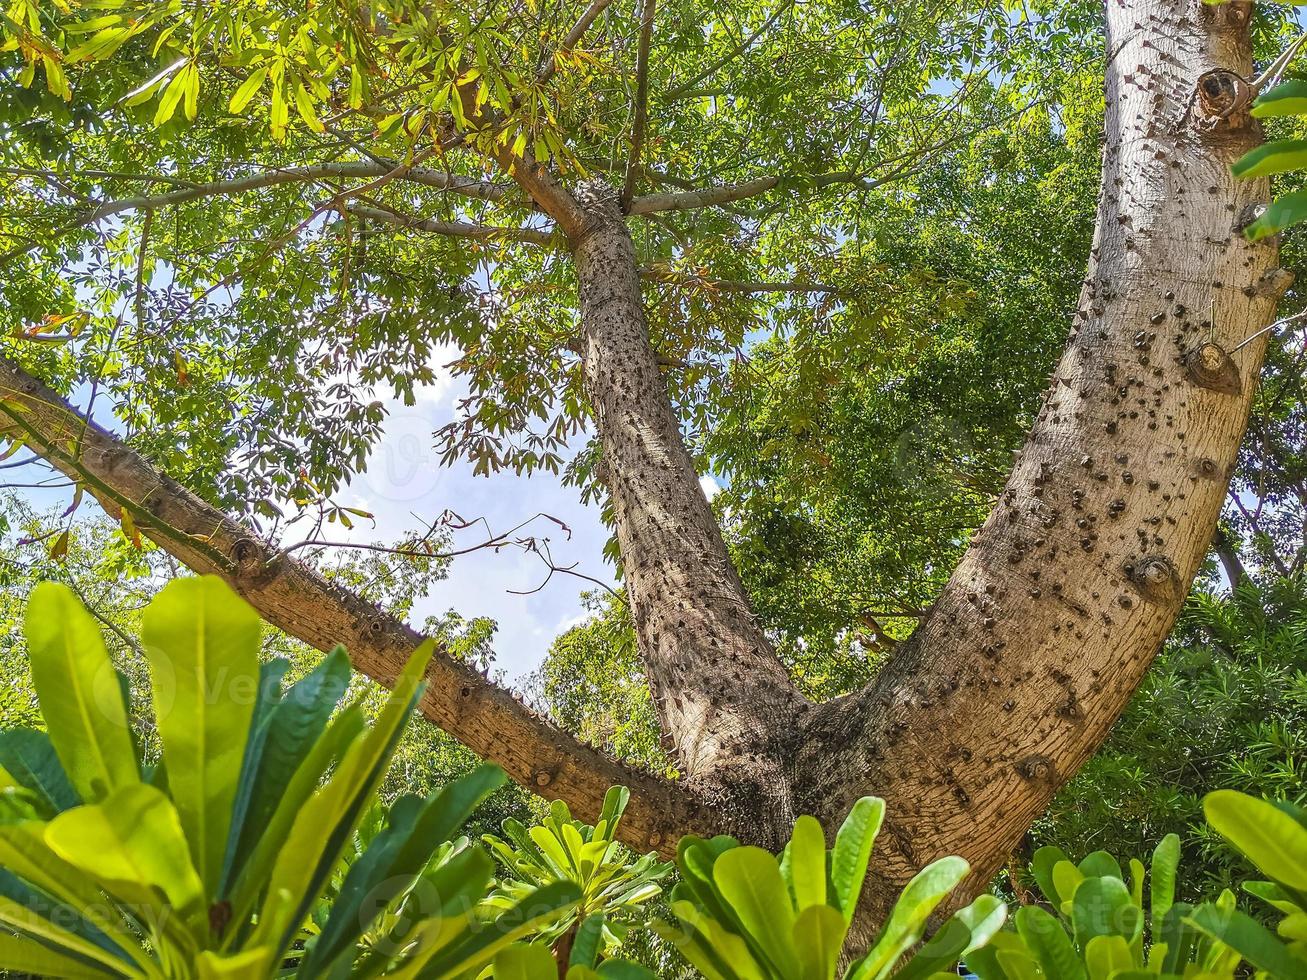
457 229
296 599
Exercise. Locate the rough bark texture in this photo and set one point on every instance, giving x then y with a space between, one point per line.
722 695
1047 626
296 599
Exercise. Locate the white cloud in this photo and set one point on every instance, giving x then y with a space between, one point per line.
711 488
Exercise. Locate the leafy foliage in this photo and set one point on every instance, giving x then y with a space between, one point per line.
211 863
615 885
1273 836
740 912
1101 926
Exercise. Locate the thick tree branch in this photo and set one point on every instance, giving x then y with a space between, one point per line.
641 122
296 599
1064 596
722 696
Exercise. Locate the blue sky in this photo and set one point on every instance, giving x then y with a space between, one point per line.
405 485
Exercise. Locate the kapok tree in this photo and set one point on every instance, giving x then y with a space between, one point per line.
264 212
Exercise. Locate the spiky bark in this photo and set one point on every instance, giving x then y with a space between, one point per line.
1058 607
1063 599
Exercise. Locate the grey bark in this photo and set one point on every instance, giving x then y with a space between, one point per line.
721 693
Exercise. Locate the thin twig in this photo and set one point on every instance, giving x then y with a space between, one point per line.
1267 329
687 88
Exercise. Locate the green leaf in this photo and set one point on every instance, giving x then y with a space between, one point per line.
133 845
281 741
324 824
1282 213
588 942
257 869
965 930
1257 944
852 853
1045 860
481 944
818 937
1274 157
1046 938
623 970
1289 98
21 917
30 758
1106 956
1100 864
79 693
21 955
1263 833
1102 907
398 855
907 920
172 96
238 966
202 644
25 854
304 106
807 863
521 961
246 91
1161 882
749 879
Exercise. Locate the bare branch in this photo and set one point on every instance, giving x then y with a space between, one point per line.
457 229
891 169
464 186
704 198
735 285
687 88
638 127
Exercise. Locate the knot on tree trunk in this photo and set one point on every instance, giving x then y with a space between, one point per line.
600 203
1223 100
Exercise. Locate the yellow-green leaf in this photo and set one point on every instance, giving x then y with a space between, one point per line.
247 90
81 699
202 644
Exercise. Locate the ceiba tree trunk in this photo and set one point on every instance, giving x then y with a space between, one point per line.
1047 626
1063 599
721 693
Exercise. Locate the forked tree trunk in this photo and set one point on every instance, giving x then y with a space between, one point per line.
1055 612
722 696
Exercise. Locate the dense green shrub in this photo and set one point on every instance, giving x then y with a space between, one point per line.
212 863
1098 922
615 884
743 913
1273 836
